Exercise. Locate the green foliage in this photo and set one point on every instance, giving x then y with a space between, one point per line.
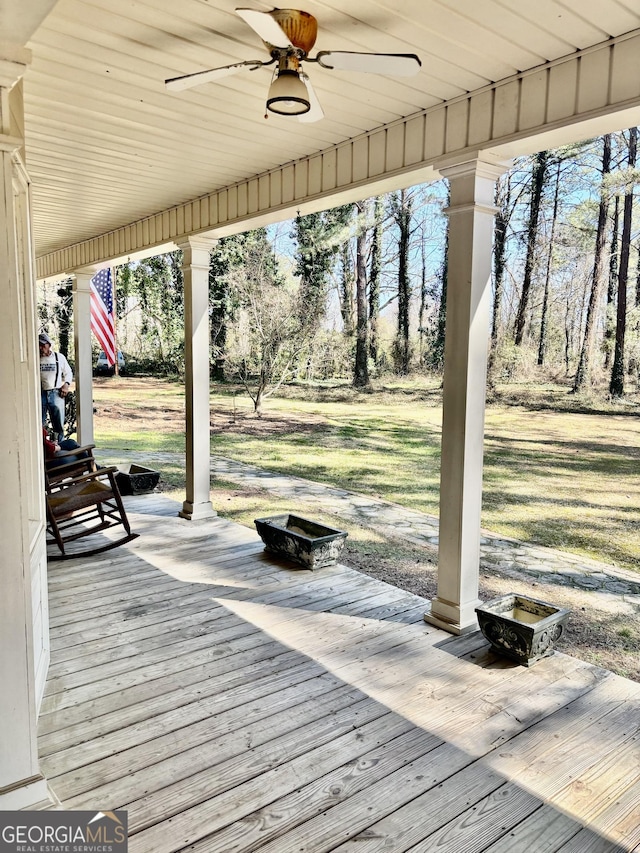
64 316
319 237
251 249
514 362
54 312
328 356
150 294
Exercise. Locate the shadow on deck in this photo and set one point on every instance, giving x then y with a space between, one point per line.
230 702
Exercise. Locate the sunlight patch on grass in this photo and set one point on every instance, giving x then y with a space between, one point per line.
117 439
566 477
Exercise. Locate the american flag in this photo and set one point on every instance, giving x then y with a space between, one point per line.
102 319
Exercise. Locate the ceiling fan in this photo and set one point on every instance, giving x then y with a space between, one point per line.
289 35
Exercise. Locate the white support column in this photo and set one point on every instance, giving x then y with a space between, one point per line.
83 358
471 219
195 269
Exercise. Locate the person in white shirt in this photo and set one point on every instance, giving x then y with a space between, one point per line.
56 377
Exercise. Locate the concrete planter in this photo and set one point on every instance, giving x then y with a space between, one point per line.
521 628
136 480
305 542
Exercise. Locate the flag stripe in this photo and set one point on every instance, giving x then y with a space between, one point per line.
102 317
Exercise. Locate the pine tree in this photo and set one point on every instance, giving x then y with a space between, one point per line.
583 373
616 386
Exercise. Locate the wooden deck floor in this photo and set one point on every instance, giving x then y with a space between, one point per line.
229 703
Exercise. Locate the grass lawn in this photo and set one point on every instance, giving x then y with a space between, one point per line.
558 472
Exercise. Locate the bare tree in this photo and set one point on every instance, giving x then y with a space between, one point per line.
361 367
503 214
545 298
612 282
273 323
437 356
424 295
375 270
346 288
583 373
616 386
402 208
539 174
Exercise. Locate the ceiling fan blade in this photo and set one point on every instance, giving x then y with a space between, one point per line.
393 64
316 112
265 26
187 81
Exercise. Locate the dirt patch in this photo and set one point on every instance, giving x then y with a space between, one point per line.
271 424
151 419
126 402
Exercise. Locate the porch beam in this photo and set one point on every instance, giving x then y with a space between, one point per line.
471 218
195 269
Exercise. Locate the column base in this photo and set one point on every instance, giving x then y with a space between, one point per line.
30 793
197 512
453 619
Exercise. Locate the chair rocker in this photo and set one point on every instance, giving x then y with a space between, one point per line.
82 499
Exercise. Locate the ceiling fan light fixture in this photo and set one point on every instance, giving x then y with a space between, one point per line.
288 95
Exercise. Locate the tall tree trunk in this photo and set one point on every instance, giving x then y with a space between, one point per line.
423 297
542 344
633 360
538 179
437 359
346 290
503 203
568 333
616 386
361 372
374 279
583 373
611 286
404 291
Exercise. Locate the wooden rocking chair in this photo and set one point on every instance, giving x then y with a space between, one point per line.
82 499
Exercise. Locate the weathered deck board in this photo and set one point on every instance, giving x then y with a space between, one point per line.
232 702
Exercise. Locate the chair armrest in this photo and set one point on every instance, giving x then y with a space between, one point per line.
63 483
84 449
93 475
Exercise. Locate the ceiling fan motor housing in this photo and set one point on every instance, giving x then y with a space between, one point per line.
301 28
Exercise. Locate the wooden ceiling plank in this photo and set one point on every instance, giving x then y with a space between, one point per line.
554 18
509 22
438 31
613 18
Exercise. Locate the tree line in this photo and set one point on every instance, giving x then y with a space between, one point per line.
359 291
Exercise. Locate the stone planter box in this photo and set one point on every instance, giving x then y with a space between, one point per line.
136 480
305 542
521 628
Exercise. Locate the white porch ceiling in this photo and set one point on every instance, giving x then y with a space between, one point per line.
106 144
